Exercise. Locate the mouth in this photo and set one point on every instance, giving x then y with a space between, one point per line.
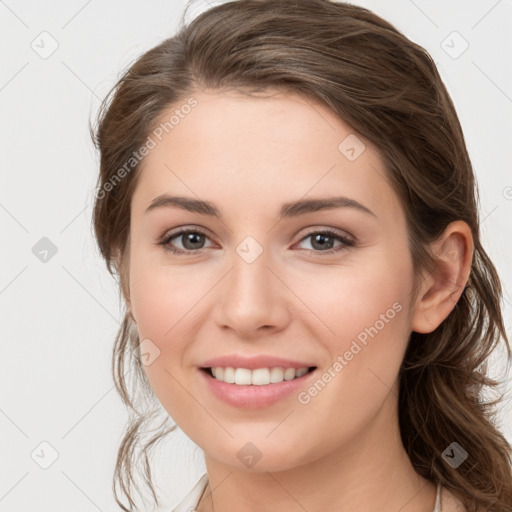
255 389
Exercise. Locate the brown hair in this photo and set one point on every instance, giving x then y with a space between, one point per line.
388 89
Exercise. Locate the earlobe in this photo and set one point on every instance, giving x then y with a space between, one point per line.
441 289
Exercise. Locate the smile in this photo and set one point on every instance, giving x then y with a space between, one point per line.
255 389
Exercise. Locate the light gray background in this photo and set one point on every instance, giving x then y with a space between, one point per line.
59 318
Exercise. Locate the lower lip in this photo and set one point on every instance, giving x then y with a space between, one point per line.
252 396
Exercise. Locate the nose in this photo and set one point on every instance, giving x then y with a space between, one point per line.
253 299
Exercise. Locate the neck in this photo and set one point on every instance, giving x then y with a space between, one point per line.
371 471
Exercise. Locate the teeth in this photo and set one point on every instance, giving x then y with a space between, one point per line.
258 377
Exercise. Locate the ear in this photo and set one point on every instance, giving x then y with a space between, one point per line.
440 290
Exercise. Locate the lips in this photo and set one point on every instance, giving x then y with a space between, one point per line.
252 396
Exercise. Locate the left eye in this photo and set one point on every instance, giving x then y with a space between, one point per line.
192 241
319 237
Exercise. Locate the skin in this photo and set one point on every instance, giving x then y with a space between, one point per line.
248 155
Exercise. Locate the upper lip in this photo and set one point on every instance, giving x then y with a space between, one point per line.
252 363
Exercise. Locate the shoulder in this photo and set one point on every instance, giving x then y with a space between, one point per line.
449 503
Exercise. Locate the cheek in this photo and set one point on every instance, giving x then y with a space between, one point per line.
371 332
366 310
165 302
158 312
363 301
163 313
161 295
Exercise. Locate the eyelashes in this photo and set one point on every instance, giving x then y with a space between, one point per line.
165 242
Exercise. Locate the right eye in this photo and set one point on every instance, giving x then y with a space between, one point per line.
190 239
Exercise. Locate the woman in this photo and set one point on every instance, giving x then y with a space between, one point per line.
286 196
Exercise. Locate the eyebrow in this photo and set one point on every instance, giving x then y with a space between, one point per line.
288 210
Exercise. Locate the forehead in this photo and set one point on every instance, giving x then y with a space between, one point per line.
271 147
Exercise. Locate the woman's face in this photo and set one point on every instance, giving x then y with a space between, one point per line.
257 284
